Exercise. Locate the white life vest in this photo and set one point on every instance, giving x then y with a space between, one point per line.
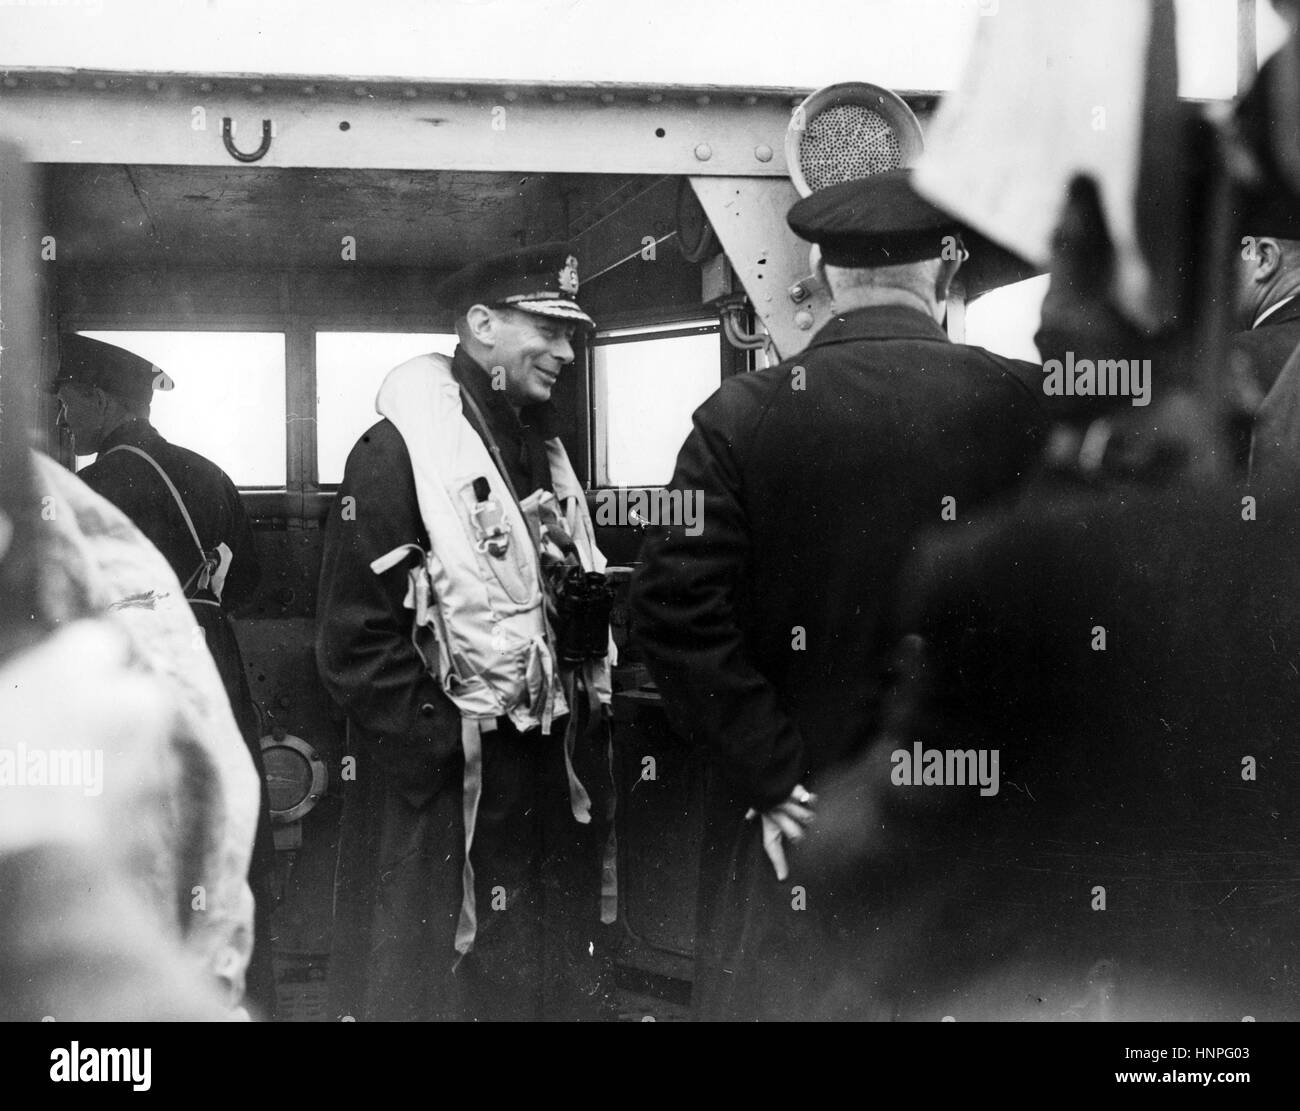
492 643
487 614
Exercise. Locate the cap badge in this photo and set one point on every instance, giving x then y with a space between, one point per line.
569 277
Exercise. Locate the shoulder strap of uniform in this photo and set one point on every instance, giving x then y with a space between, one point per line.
495 451
491 442
180 502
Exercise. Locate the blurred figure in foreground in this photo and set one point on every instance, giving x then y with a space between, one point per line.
133 803
1125 666
82 938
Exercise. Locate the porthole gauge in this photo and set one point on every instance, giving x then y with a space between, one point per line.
296 777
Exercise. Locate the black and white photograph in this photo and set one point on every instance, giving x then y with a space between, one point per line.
642 511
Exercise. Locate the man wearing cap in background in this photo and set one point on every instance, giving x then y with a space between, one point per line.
1267 310
765 632
469 876
191 512
1266 288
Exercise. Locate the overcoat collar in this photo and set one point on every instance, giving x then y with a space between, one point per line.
879 322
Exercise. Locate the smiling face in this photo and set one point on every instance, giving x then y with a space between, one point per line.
530 350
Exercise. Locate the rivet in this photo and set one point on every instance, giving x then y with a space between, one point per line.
655 98
360 90
803 320
607 98
703 152
702 101
100 83
204 86
257 88
763 152
512 94
410 93
152 85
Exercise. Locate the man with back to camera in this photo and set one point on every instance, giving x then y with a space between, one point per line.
765 632
1266 284
191 512
469 875
1267 309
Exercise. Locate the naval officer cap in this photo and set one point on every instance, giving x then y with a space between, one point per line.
873 221
92 363
542 280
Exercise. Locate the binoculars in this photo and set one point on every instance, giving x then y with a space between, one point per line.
583 601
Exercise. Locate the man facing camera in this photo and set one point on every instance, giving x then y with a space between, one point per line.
473 836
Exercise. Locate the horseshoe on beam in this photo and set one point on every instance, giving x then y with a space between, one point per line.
228 138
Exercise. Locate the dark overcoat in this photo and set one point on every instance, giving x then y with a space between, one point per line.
1275 442
401 848
766 631
1262 351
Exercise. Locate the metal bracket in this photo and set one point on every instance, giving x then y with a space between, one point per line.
228 138
748 216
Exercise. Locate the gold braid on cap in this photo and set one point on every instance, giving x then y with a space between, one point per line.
548 296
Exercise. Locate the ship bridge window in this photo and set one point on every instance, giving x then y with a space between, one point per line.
228 403
646 383
350 366
1005 320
